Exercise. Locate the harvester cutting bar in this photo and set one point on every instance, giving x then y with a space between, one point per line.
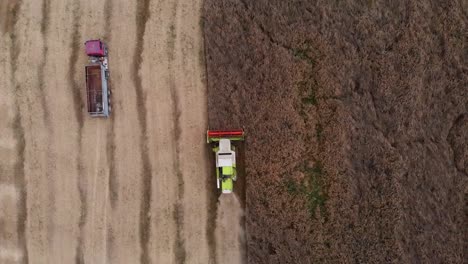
221 133
216 135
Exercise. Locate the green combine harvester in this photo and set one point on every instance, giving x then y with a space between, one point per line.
225 153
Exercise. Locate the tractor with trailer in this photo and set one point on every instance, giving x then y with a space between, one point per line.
97 79
225 154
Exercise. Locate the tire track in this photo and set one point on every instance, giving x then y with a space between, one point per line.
20 183
14 49
180 253
45 21
109 244
229 230
113 183
142 17
6 24
18 129
78 103
108 7
41 70
75 47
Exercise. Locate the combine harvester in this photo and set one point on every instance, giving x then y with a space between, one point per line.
225 153
97 75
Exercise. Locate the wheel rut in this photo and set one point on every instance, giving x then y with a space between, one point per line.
45 21
113 183
78 104
19 133
180 252
144 228
41 70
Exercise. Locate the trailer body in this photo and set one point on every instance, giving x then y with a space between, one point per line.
97 76
97 90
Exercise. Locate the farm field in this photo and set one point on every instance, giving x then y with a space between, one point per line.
355 113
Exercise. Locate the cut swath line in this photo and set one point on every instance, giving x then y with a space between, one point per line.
45 21
19 135
145 223
179 249
113 184
112 181
77 102
41 69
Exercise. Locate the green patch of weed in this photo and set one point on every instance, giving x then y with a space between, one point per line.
310 99
292 187
308 88
319 131
312 188
303 55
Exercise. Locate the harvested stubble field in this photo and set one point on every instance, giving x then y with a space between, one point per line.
357 120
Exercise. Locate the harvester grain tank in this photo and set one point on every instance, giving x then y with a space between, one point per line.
225 153
97 76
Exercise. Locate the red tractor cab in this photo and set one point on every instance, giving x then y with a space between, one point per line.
96 48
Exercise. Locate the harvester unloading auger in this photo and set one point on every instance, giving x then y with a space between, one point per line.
225 152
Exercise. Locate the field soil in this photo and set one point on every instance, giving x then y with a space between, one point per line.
131 188
356 114
229 233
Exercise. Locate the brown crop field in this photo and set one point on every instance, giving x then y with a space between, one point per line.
356 120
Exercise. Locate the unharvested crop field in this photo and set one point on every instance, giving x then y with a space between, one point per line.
357 117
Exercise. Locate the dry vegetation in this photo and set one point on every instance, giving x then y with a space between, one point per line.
356 114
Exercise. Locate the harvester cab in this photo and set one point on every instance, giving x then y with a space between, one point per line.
225 154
